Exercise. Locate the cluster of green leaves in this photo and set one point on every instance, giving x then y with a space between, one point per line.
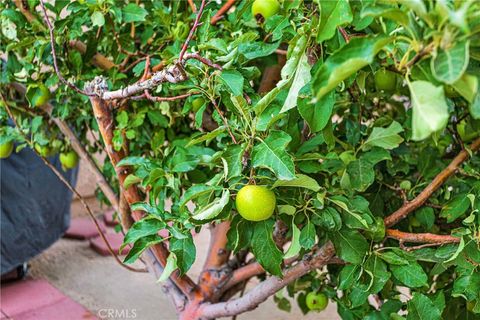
335 142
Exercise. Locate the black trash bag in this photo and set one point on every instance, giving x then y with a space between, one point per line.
34 204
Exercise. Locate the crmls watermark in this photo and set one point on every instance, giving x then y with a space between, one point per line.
117 313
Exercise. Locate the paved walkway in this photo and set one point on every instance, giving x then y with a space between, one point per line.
38 300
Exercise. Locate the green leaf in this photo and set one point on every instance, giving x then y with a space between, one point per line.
426 217
420 307
132 161
141 245
389 12
350 245
375 155
328 219
253 50
333 14
348 276
474 107
270 153
233 80
295 247
361 173
430 110
301 181
355 55
239 234
142 228
206 136
130 180
301 78
264 248
450 64
317 114
133 13
411 275
195 192
386 138
98 20
233 156
455 208
287 73
460 248
307 236
392 258
214 208
185 251
343 203
170 266
467 87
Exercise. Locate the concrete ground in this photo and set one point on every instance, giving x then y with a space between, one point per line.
112 292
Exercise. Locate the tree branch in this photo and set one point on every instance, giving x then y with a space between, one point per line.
217 252
421 237
192 6
419 200
219 15
263 290
159 99
244 273
104 117
196 24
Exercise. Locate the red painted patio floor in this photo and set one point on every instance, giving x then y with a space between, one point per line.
38 300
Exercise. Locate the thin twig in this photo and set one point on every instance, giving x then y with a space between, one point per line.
203 60
420 237
344 34
72 189
54 54
425 245
225 121
219 15
192 6
192 31
158 99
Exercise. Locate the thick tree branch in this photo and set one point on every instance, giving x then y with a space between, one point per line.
263 290
421 237
217 252
244 273
104 117
173 74
213 275
432 187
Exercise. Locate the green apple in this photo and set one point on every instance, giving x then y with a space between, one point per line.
69 160
316 301
255 203
263 9
6 149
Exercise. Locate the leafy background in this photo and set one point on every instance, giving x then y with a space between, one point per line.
339 153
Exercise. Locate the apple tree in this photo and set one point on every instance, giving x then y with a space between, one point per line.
328 146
